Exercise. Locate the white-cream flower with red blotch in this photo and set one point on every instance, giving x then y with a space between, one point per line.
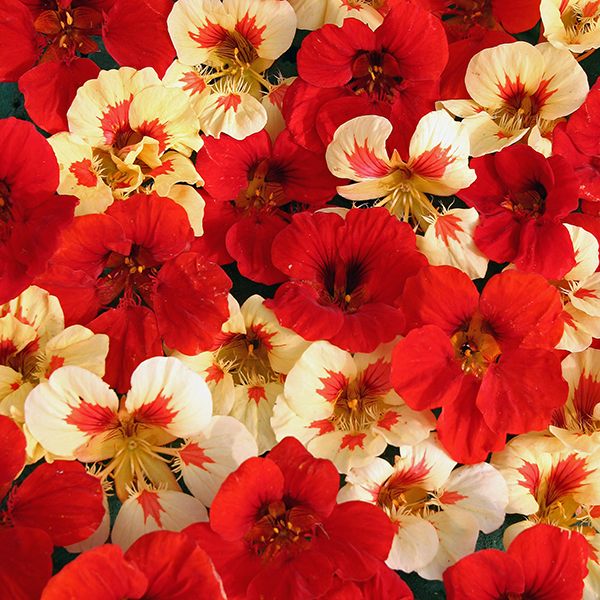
33 344
580 293
272 102
313 14
437 163
577 423
571 24
553 484
437 510
343 408
129 132
518 92
247 366
223 49
449 241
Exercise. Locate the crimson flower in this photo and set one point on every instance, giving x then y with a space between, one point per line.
346 276
522 198
258 185
578 141
57 504
542 563
32 216
276 532
348 71
488 362
43 42
163 565
138 253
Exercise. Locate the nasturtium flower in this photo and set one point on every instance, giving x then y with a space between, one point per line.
519 92
488 361
571 24
436 163
343 407
437 510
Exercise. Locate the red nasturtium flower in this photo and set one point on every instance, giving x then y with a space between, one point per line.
276 532
258 185
163 565
488 362
138 252
542 563
346 276
57 504
32 216
522 199
352 70
44 42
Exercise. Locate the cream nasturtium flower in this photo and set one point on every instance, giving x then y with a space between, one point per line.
223 47
437 510
518 92
437 163
343 407
313 14
571 24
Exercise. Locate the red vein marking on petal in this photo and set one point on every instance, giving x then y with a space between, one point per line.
585 293
114 122
150 505
512 92
246 26
257 394
389 419
164 169
566 477
333 384
585 398
262 336
7 349
214 373
156 412
353 440
210 35
92 418
193 454
84 172
155 130
323 425
55 363
375 379
276 96
409 476
194 82
365 163
229 101
542 94
432 163
447 227
531 477
450 497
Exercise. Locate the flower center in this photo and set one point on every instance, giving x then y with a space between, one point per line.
580 18
357 408
527 204
264 191
376 74
475 348
342 286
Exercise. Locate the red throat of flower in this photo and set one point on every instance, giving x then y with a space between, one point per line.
476 348
376 74
5 210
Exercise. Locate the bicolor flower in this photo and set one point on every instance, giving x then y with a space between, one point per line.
571 24
343 407
518 92
346 276
487 361
223 49
247 364
313 14
34 344
32 216
437 511
436 163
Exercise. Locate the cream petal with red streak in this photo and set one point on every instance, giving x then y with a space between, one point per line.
232 112
460 108
457 534
69 410
585 246
272 102
579 330
358 152
174 168
339 10
573 25
154 510
190 81
365 482
449 241
400 425
567 85
165 114
14 335
480 491
167 394
76 345
208 458
285 422
486 136
495 74
439 155
10 381
193 203
585 295
104 101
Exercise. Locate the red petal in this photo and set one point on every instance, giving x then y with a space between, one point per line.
103 573
425 372
134 337
190 302
385 584
175 566
243 495
584 122
309 482
25 562
12 453
484 575
19 48
519 16
61 499
554 562
135 34
50 89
